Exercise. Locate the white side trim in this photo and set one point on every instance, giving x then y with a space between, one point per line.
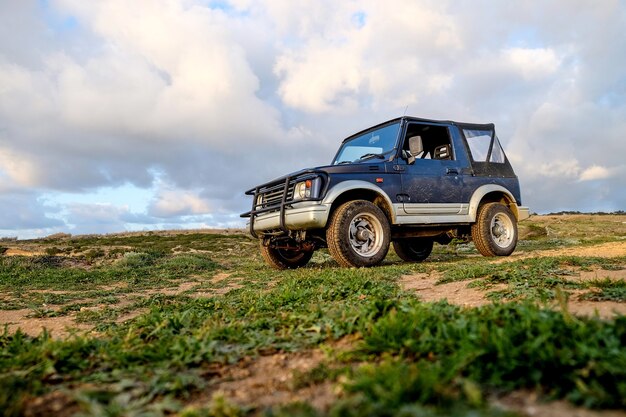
453 213
433 217
435 208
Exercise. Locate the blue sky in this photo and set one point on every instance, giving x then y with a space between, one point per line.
144 115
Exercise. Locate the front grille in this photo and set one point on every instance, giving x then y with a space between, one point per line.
273 196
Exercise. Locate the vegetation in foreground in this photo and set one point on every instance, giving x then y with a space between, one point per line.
404 357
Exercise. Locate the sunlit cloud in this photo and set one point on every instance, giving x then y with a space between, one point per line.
212 99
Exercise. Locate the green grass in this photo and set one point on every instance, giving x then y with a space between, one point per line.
181 335
536 279
606 290
409 358
500 348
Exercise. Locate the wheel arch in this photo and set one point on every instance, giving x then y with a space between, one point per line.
492 193
360 190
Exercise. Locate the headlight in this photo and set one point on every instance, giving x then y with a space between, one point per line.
301 191
307 189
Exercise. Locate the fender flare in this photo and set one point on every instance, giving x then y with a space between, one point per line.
351 185
482 191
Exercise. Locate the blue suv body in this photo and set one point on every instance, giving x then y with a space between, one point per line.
408 181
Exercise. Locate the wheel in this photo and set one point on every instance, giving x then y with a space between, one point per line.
495 231
413 250
285 258
358 234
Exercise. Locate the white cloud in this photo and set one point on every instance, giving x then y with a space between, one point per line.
533 63
173 202
18 168
212 101
563 170
595 172
385 60
323 80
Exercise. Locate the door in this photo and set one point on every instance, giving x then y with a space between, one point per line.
432 184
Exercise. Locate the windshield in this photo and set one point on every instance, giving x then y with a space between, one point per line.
370 146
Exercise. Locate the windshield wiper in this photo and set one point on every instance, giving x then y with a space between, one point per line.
372 155
344 162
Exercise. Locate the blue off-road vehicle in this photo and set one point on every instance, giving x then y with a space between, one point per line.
408 181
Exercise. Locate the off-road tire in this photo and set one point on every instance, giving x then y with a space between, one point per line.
358 234
413 250
495 231
285 259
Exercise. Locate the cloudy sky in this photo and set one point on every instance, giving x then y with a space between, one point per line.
130 115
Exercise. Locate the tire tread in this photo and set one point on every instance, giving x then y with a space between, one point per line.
339 247
481 234
273 258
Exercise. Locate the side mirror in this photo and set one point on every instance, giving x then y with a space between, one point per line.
416 147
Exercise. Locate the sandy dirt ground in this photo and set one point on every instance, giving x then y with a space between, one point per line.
424 285
65 325
272 378
461 293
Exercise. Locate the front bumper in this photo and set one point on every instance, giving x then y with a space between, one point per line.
523 213
302 216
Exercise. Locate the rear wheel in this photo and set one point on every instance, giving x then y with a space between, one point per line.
358 234
495 230
413 250
285 258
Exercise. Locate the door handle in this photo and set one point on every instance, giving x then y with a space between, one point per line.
452 171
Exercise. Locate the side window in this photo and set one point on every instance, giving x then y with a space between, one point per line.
497 154
480 143
436 143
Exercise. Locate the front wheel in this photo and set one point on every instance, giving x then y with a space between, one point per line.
495 230
413 250
285 258
358 234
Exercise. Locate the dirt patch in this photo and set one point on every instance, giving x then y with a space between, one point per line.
61 326
200 292
603 250
220 277
55 292
22 252
116 286
603 309
270 381
58 327
458 293
462 294
185 286
131 315
600 274
55 403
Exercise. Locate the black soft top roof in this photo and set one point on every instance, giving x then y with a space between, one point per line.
462 125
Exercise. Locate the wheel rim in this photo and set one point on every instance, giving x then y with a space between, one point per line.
502 231
366 235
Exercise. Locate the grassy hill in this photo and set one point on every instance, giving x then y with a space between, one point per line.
194 324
